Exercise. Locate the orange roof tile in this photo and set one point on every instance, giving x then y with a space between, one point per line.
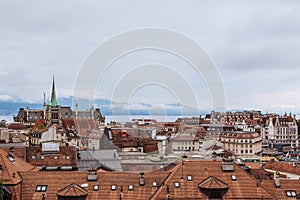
72 190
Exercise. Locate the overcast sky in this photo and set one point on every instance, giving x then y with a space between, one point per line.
254 44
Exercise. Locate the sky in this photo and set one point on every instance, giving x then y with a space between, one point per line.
255 46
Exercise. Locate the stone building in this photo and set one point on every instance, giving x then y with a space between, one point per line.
53 112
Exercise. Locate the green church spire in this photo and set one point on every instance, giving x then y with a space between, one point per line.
53 102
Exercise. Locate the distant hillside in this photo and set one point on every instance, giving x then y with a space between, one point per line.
107 107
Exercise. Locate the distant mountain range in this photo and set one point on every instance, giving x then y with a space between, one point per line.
9 105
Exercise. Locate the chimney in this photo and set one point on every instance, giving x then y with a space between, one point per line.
276 179
92 175
11 150
227 165
142 179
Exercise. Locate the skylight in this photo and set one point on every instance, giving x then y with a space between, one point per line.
113 187
130 187
233 177
96 187
41 188
154 184
291 193
10 158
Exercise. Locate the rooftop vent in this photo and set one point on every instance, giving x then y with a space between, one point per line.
276 179
142 179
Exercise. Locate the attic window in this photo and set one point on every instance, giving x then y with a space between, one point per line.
42 157
96 187
32 157
130 187
291 193
189 178
55 158
113 187
233 177
176 184
68 157
154 184
41 188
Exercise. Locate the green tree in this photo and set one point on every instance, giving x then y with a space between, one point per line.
1 191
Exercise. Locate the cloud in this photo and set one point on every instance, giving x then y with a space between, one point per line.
255 45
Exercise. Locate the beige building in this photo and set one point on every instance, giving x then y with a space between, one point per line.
185 143
241 144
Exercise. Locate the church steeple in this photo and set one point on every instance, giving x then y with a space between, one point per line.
54 101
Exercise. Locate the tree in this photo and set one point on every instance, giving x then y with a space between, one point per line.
1 191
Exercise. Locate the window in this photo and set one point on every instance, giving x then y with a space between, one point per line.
176 184
42 157
154 184
32 157
113 187
41 188
291 193
130 187
189 178
242 151
96 187
68 157
55 158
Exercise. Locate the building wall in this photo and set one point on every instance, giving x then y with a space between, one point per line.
242 145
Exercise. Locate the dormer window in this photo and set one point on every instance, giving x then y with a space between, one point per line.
176 184
233 177
189 178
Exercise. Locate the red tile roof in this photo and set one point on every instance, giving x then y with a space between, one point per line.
283 166
11 165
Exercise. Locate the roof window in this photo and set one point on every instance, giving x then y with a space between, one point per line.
291 193
154 184
233 177
96 187
113 187
130 187
189 178
41 188
176 184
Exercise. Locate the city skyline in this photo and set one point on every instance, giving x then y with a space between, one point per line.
253 44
